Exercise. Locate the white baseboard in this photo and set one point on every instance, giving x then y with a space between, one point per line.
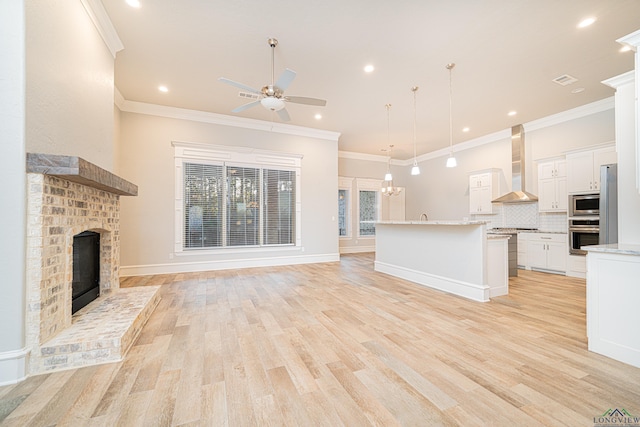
464 289
212 265
13 366
357 249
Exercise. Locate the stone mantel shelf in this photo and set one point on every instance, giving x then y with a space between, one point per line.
76 169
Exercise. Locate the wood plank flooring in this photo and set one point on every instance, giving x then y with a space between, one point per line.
338 344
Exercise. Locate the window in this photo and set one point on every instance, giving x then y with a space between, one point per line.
202 205
344 206
368 206
368 213
232 203
279 206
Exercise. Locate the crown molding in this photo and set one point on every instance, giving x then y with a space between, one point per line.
368 157
575 113
565 116
621 80
118 99
632 40
221 119
97 13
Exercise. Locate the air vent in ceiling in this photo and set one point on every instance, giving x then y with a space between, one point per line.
565 80
248 95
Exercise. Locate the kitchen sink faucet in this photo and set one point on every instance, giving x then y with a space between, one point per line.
426 218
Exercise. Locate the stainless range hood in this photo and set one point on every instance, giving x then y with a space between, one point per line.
518 193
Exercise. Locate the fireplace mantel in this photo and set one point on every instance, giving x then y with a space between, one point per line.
78 170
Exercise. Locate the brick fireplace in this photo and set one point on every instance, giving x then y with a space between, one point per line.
68 196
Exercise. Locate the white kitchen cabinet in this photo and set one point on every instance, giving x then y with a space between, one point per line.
483 188
583 169
546 251
552 186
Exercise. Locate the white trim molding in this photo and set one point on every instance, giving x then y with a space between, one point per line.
221 119
13 366
213 265
100 18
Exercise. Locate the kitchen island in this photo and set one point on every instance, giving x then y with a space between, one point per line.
613 292
453 256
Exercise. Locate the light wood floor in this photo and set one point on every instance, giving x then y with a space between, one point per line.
338 344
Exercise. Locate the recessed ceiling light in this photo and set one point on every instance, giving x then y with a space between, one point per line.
586 22
163 89
133 3
369 68
465 129
512 113
318 116
625 48
578 90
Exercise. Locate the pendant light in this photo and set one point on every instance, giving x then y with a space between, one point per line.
388 188
451 161
415 169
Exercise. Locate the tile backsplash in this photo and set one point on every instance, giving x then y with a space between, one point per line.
525 215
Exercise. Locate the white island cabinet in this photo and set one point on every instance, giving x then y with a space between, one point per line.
453 256
613 292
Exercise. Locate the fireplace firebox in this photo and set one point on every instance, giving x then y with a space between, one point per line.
86 269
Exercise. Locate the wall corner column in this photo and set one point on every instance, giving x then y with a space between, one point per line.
13 354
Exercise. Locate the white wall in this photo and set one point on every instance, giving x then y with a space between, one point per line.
628 196
146 158
69 83
13 189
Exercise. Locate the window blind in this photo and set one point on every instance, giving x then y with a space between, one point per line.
243 206
202 205
279 191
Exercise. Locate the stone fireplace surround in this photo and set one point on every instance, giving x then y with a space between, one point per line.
66 196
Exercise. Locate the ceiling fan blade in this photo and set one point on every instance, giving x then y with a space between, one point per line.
284 115
240 85
285 79
245 106
306 101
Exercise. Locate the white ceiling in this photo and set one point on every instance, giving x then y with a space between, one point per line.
506 52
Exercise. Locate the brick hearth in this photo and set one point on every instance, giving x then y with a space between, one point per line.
67 196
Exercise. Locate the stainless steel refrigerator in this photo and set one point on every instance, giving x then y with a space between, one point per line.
608 204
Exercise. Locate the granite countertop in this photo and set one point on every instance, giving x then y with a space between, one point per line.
435 222
492 236
614 248
542 231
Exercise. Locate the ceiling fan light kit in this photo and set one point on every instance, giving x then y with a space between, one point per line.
273 104
271 96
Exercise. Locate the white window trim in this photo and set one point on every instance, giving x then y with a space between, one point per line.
369 185
345 183
236 156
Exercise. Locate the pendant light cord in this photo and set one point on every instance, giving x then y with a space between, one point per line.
450 67
415 89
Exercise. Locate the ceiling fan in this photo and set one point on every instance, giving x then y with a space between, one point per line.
272 96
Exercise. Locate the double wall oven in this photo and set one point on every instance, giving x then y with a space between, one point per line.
584 222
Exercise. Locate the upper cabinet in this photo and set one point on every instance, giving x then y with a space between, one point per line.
483 188
552 186
583 169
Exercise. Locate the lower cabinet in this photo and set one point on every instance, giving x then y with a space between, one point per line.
545 251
